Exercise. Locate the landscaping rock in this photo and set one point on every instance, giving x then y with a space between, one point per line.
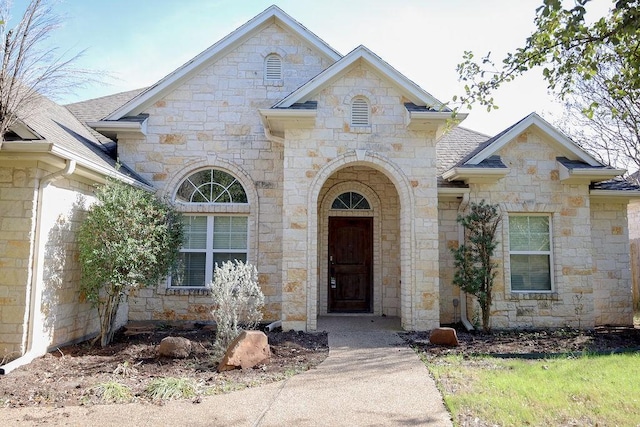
444 336
248 350
175 347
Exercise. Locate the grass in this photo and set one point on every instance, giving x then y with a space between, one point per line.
113 392
171 388
589 390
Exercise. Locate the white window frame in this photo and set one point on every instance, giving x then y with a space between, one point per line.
209 250
549 253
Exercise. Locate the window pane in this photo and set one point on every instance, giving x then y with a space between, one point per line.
530 273
229 232
195 231
211 186
191 269
529 233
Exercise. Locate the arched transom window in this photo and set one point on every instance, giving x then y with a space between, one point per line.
211 186
350 201
210 237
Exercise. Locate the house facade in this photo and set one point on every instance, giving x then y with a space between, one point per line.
341 181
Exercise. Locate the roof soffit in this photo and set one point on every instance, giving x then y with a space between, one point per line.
272 15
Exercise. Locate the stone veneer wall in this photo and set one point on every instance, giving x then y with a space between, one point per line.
17 210
64 315
212 120
533 186
448 232
612 270
406 158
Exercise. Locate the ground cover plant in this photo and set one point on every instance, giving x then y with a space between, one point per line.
560 377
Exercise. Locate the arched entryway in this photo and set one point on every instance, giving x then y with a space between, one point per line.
389 216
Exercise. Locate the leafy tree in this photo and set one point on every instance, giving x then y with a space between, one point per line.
475 270
129 239
29 68
568 47
604 125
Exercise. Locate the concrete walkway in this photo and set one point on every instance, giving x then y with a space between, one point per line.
369 379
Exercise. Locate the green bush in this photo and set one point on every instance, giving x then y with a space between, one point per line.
129 239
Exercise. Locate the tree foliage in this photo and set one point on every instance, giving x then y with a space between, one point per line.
237 301
29 67
567 46
475 270
129 239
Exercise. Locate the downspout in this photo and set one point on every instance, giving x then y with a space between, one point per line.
35 295
463 296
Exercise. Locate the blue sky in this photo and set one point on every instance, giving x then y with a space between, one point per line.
140 41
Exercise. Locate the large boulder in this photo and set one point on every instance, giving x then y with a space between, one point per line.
444 336
248 350
175 347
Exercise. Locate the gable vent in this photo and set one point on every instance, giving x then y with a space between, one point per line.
273 68
359 112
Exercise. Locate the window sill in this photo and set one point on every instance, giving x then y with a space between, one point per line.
279 82
191 290
360 129
529 295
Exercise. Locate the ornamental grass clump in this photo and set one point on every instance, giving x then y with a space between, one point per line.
237 301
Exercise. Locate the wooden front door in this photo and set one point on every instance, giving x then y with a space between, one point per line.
350 264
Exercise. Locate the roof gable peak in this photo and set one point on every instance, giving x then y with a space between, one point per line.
268 16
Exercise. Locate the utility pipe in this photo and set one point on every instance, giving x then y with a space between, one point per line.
463 295
34 313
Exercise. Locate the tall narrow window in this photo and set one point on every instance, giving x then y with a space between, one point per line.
530 253
273 67
210 239
360 112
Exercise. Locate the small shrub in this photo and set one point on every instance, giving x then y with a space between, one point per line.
171 388
237 301
113 392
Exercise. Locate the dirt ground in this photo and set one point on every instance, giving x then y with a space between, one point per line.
72 375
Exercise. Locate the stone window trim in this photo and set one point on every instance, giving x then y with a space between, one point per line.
526 294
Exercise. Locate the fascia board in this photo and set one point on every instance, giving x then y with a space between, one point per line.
476 175
615 194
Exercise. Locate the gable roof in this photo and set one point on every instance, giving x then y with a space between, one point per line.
418 96
273 14
493 145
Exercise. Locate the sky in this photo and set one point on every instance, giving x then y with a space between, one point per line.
137 42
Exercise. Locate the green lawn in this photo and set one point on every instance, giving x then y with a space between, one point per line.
589 390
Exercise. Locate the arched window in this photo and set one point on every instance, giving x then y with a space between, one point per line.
210 238
273 67
360 111
211 186
349 201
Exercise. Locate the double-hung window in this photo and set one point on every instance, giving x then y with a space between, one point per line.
530 253
210 238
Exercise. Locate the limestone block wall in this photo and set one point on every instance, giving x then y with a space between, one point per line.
311 156
17 189
448 236
67 316
533 186
383 198
212 120
612 271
